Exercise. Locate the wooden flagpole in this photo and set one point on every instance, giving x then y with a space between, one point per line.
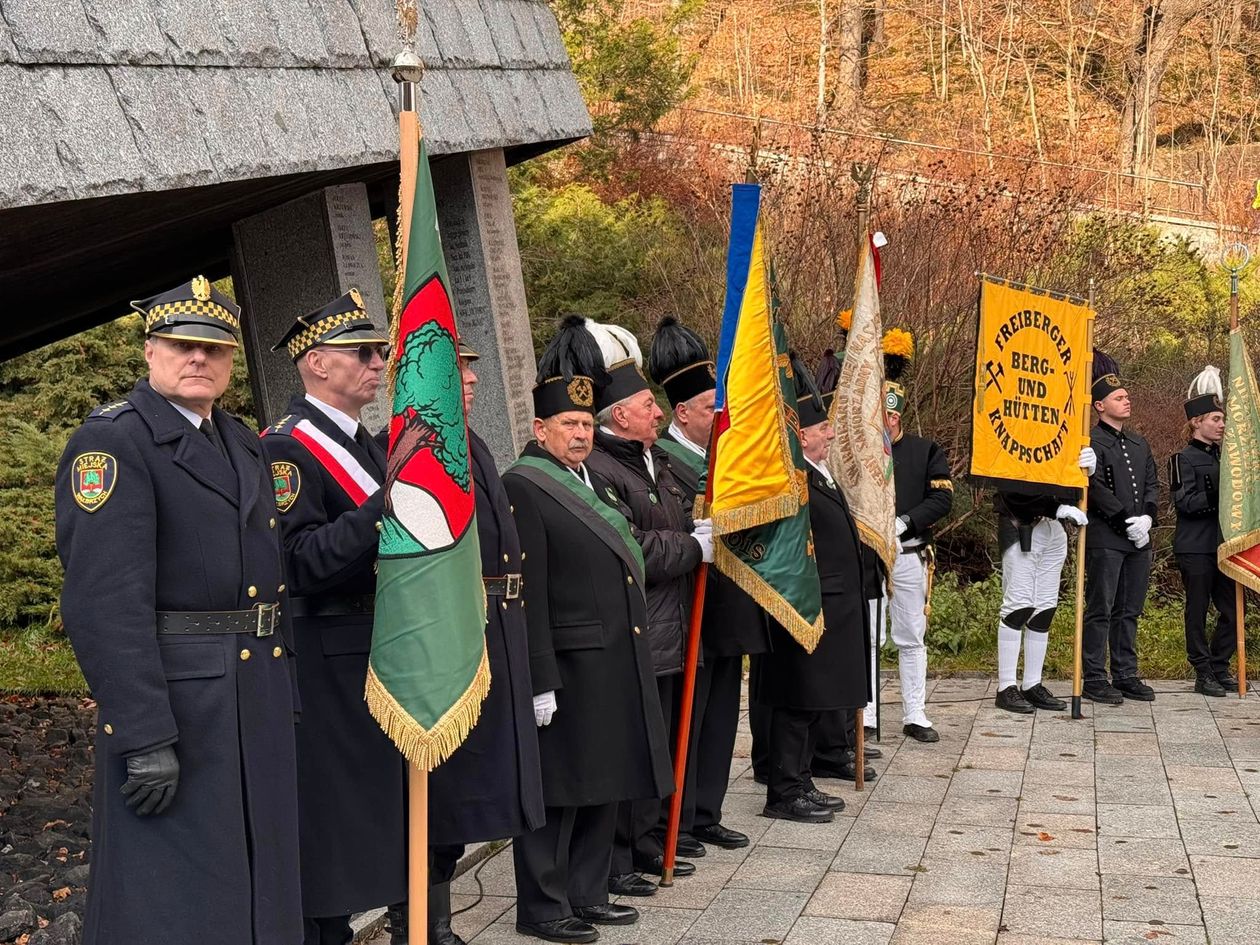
1078 638
1235 262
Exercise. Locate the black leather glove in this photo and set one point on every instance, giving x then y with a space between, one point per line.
152 778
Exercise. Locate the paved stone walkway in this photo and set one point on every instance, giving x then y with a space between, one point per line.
1133 825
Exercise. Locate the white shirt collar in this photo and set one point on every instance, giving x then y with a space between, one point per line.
823 470
583 475
188 415
347 424
681 437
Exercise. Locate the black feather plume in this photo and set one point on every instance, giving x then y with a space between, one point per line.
572 352
1104 364
674 347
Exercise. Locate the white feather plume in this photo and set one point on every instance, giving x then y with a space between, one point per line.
1207 381
615 343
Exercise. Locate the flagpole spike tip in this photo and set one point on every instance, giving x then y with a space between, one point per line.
407 66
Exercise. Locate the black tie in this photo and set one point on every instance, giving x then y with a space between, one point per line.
212 435
364 439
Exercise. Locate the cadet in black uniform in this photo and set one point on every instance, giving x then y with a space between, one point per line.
491 787
327 473
1194 476
1122 495
175 604
601 736
733 622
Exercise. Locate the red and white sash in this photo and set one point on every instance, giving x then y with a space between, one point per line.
340 463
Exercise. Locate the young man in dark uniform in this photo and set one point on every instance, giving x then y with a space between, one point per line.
1194 476
491 787
1122 494
328 473
174 601
733 623
601 736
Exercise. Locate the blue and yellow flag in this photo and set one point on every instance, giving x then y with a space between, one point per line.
758 494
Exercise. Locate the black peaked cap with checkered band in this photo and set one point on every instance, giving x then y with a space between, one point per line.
193 311
343 321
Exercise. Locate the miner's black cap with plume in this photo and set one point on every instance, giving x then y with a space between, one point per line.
1106 377
679 361
811 403
569 370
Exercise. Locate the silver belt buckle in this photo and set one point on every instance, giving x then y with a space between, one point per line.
267 614
513 586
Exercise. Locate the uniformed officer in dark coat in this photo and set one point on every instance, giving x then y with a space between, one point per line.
491 787
1122 494
801 688
327 473
175 604
642 474
1194 475
734 624
601 736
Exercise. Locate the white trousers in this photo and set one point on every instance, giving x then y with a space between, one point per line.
1030 579
909 627
879 633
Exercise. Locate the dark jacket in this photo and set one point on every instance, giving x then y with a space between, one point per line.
172 525
837 674
1018 513
733 623
491 787
586 620
1194 475
351 779
924 489
658 512
1124 485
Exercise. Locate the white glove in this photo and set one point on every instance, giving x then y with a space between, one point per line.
705 541
1138 530
544 708
1143 541
702 526
1088 460
899 548
902 525
1070 513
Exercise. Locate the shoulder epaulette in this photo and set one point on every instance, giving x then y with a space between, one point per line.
111 411
284 426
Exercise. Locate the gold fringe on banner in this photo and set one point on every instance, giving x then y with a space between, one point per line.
1225 553
426 749
752 584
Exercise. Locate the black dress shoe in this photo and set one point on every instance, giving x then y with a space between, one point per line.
825 801
1228 680
568 929
720 836
690 846
1134 688
868 752
800 809
441 933
921 733
630 884
1102 692
846 772
1208 686
607 914
1012 700
656 866
1042 698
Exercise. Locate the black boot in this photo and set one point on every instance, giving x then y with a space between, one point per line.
396 923
440 932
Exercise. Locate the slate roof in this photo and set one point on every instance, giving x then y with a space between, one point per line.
108 97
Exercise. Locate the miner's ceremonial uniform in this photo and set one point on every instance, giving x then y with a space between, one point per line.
174 601
327 473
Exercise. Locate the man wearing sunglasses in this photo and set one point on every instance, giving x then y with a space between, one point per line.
327 472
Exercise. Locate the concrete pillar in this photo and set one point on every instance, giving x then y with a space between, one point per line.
290 260
484 264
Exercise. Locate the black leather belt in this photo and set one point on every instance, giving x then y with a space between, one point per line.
350 605
260 620
508 586
915 549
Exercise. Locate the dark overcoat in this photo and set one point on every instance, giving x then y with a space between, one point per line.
171 525
1124 485
836 675
924 489
587 621
491 787
733 623
1194 477
351 779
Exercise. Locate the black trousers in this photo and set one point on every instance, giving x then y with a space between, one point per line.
792 733
563 865
836 737
759 725
1115 595
1205 584
718 685
641 825
443 859
326 930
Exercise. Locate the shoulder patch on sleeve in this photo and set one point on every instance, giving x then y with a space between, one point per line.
287 482
945 484
92 479
283 427
111 411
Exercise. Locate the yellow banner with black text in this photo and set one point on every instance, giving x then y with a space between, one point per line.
1031 384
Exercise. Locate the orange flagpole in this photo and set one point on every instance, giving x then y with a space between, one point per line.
1239 630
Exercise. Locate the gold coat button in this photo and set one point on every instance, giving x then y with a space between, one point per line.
629 579
109 729
280 589
505 559
512 509
522 556
253 591
244 654
378 526
277 652
503 604
637 630
271 523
